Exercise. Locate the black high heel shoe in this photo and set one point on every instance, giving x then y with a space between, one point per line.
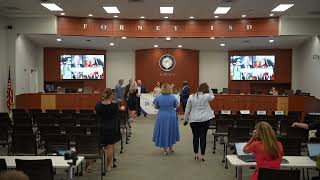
196 158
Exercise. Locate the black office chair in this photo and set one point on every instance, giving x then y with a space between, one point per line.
291 146
56 142
24 144
5 138
222 130
86 111
18 111
36 169
72 111
22 121
247 123
267 174
3 165
301 133
4 115
235 135
295 115
22 130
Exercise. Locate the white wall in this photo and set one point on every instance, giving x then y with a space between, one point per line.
119 65
27 58
306 70
213 69
3 64
299 26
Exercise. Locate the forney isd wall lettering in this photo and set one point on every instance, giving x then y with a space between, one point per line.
172 28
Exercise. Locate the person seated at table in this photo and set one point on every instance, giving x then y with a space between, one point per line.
107 111
315 125
267 149
273 91
13 175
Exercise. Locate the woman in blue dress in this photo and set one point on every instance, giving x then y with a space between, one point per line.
166 130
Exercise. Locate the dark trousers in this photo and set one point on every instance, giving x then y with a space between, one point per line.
184 104
199 131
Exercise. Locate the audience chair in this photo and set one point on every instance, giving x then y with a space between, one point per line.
72 111
3 165
222 130
36 169
285 122
22 130
65 122
24 144
267 174
14 111
22 121
87 111
247 123
235 135
52 111
291 146
56 142
87 122
45 121
5 138
35 111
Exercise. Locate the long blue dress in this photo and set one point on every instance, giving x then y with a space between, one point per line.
166 129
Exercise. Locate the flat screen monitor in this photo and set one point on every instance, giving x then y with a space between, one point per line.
81 66
259 67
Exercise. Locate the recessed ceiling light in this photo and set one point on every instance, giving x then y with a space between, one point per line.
142 17
282 7
191 17
123 37
212 37
271 41
111 9
155 46
216 17
168 38
243 15
90 15
115 16
222 44
179 46
52 6
271 15
166 17
62 14
59 39
222 10
166 10
111 44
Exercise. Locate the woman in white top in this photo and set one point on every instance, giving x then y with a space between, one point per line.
157 89
199 113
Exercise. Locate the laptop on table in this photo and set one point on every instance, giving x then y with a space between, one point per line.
243 156
314 151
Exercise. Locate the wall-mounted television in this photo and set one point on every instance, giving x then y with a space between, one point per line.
259 67
81 66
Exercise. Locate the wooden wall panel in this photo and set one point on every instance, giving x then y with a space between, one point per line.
173 28
282 72
187 67
48 101
51 68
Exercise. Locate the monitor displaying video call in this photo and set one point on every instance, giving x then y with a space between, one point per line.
260 67
82 67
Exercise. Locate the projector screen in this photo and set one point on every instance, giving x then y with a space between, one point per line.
260 67
82 66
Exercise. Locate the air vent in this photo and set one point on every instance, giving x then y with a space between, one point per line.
136 1
314 12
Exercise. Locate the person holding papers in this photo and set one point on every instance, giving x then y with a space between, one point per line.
265 146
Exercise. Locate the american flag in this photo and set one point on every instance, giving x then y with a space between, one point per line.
9 93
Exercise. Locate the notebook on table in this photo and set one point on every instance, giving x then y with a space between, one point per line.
243 156
314 151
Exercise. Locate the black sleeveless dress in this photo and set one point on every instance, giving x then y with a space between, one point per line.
133 101
109 125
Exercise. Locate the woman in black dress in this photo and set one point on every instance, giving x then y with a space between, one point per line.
133 101
109 126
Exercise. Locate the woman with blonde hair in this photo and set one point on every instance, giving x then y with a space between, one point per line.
157 89
166 130
267 149
107 111
133 101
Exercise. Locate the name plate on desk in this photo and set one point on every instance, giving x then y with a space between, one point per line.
261 112
279 113
226 112
244 112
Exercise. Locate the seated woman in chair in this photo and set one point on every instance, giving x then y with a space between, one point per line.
267 149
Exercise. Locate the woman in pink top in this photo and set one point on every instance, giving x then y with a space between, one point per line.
267 149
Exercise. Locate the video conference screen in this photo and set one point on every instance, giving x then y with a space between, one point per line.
82 66
252 67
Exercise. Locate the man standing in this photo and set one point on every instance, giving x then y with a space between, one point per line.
127 90
141 89
118 91
184 95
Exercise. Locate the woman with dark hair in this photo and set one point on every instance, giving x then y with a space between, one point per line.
107 111
166 130
267 149
199 113
13 175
